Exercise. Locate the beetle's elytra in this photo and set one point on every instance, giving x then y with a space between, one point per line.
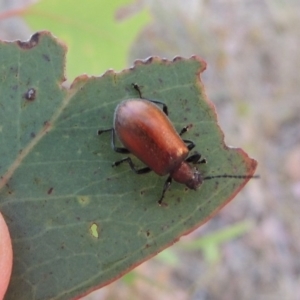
149 135
146 131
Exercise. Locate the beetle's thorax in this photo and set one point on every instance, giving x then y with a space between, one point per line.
187 175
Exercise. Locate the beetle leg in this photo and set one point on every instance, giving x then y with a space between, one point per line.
165 188
191 145
137 171
137 88
113 145
195 159
165 107
185 129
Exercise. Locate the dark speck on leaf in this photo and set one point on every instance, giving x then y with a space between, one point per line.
46 57
50 191
14 69
30 95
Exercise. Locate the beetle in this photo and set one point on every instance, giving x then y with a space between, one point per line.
146 132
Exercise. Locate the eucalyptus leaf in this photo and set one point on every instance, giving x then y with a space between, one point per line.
77 223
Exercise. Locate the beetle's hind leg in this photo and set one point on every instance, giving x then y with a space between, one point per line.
165 188
132 166
190 144
125 151
196 159
113 144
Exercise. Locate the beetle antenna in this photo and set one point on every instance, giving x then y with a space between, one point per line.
231 176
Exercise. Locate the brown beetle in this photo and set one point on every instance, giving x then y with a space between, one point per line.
146 132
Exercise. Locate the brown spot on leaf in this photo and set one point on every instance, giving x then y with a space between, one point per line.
50 191
31 43
47 124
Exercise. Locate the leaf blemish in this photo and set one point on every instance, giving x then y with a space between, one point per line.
46 57
94 230
83 200
30 95
50 191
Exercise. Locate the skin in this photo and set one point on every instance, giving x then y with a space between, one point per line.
148 134
5 257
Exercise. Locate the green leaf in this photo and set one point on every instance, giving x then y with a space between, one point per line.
96 40
76 222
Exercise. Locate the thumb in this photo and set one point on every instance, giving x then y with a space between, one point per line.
5 257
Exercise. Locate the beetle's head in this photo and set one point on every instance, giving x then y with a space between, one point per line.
188 175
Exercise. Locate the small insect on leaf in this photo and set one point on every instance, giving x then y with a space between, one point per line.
146 132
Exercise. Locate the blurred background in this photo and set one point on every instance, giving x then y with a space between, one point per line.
251 249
